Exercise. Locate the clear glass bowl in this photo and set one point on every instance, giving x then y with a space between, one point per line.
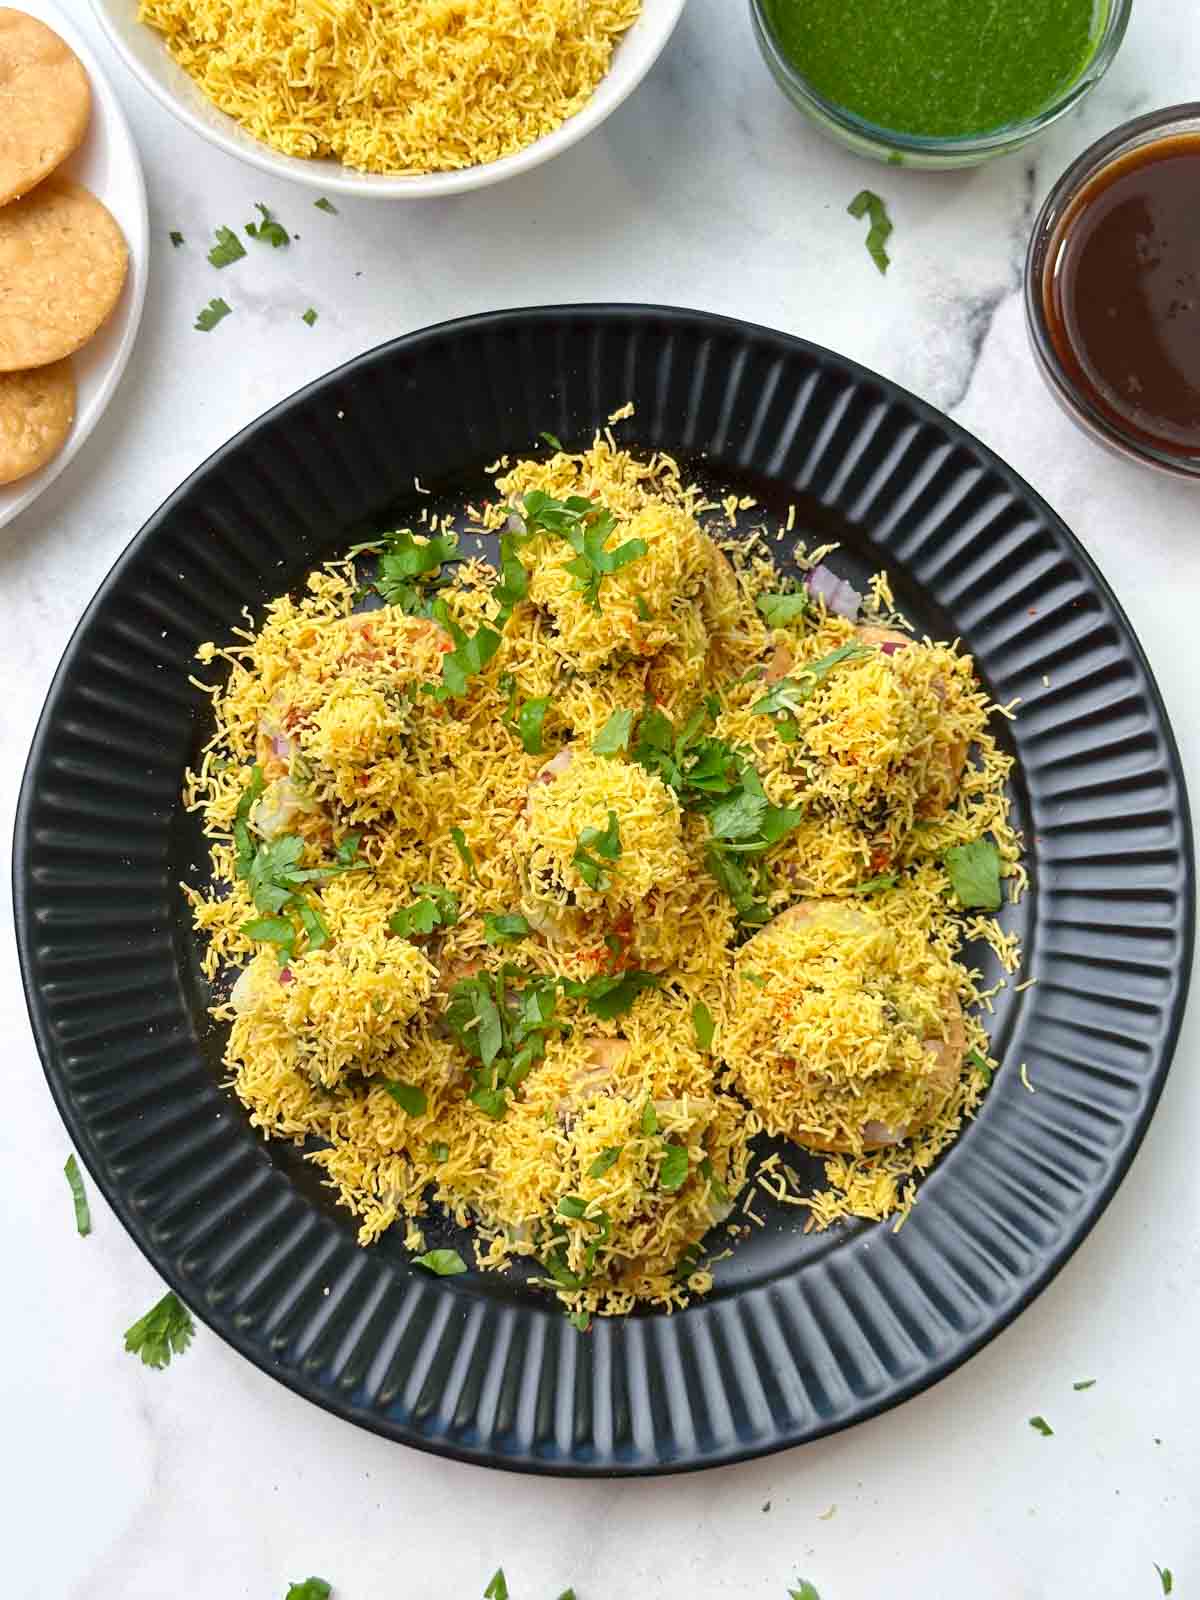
1149 129
919 150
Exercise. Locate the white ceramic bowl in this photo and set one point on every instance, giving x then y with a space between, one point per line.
144 53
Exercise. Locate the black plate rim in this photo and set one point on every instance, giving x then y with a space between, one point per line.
618 313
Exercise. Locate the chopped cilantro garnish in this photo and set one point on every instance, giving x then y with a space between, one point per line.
310 1589
551 439
498 1588
439 1152
1084 1383
409 568
643 610
607 1159
309 316
407 1096
505 927
83 1216
649 1119
1165 1578
1042 1426
974 871
164 1331
470 655
606 842
779 609
572 1205
582 1320
214 312
672 1174
530 719
805 1591
464 850
273 874
586 527
436 908
885 880
326 205
443 1263
612 994
176 238
703 1023
756 978
868 204
974 1059
514 580
504 1028
228 248
615 734
738 884
268 231
789 694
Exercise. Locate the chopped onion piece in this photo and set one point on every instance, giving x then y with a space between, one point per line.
838 596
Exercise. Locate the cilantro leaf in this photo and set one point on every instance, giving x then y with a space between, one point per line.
471 654
885 880
643 610
804 1592
779 609
326 205
572 1205
551 439
309 316
212 313
498 1588
83 1216
583 1321
310 1589
868 204
739 817
268 231
789 694
514 580
464 851
586 527
1084 1383
1165 1578
703 1023
974 871
974 1059
606 842
242 840
228 248
176 238
649 1119
529 724
607 1159
737 883
408 568
1042 1426
439 1152
437 908
407 1096
615 734
272 930
612 994
165 1330
672 1174
504 927
443 1263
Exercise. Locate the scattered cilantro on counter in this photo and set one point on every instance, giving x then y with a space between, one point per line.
165 1330
868 204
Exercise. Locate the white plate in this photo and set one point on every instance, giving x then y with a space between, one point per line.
107 163
146 56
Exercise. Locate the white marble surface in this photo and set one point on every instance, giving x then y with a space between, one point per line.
118 1483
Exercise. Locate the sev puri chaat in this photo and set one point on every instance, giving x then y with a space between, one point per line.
541 889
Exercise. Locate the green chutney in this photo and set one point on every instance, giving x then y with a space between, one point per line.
943 68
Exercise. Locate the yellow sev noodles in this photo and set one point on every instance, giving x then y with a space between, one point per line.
829 1028
395 86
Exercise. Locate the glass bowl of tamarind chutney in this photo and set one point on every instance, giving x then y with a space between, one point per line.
1112 290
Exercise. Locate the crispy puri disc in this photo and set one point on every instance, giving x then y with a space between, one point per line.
45 102
62 263
37 409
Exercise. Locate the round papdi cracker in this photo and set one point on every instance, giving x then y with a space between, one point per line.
45 102
37 409
62 263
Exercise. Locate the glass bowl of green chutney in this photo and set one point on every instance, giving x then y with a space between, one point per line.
938 83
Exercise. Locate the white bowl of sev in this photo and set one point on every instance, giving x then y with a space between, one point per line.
390 99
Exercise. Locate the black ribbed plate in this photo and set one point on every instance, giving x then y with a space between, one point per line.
802 1334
